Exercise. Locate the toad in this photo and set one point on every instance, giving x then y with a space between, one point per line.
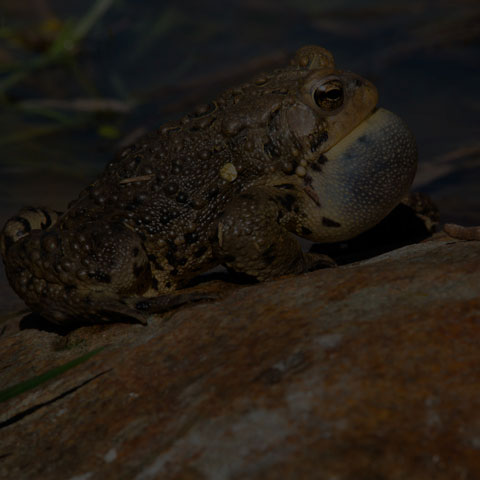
302 150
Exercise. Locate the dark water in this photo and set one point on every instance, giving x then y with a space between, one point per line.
157 59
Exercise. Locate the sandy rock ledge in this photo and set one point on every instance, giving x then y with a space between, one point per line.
366 371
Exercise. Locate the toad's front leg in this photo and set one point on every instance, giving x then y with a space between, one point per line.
254 234
461 232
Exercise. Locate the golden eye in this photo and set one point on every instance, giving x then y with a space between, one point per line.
329 95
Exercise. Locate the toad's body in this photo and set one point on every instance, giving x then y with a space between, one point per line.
227 184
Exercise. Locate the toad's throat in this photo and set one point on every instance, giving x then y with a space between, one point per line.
365 175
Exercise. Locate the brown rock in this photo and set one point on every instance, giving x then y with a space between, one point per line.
366 371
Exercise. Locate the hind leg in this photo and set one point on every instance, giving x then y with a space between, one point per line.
96 273
67 275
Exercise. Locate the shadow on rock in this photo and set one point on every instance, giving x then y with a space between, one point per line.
412 221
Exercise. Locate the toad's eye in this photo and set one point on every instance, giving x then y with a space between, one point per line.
329 95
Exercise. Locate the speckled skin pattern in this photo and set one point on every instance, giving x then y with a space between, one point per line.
227 184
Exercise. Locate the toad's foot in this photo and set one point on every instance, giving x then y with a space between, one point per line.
164 303
463 233
133 309
315 261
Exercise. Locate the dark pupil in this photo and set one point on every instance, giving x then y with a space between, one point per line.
334 94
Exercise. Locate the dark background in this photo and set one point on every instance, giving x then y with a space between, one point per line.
80 78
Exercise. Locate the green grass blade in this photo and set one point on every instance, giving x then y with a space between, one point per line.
91 18
31 383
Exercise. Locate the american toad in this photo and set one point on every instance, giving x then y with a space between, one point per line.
302 150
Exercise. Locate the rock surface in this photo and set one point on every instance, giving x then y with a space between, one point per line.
365 371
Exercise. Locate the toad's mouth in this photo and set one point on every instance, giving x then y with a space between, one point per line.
366 174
